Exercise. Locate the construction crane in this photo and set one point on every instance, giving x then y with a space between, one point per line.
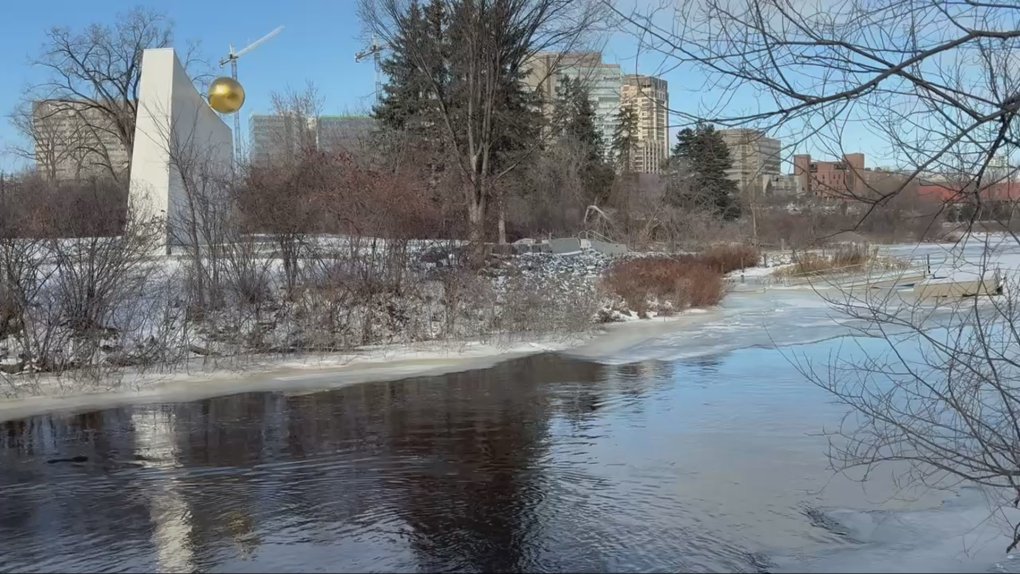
375 50
231 59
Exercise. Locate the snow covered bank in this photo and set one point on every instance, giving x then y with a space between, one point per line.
44 393
350 318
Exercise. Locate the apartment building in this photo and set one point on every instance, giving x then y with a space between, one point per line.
756 159
74 140
648 97
547 71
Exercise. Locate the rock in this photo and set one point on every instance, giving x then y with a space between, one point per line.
12 368
199 350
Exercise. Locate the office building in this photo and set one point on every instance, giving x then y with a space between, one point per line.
831 178
344 133
781 185
648 97
74 140
756 159
276 136
547 71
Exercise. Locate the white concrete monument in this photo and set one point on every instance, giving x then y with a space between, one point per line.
177 135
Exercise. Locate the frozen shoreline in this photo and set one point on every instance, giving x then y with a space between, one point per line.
324 372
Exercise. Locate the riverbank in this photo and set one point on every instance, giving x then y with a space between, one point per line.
45 393
541 448
409 305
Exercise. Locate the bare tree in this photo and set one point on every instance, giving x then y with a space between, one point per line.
74 275
937 402
302 110
50 145
93 77
276 193
932 390
495 40
935 79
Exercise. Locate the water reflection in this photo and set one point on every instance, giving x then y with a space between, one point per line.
543 463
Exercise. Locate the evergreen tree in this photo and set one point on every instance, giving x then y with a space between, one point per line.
518 120
406 103
706 158
456 76
574 118
409 102
625 139
574 122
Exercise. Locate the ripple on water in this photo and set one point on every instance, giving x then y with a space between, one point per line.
541 464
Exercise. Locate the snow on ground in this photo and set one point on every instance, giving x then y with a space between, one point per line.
319 372
754 314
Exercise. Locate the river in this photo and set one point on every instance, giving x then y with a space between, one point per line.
695 451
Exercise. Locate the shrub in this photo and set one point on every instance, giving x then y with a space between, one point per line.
851 257
664 284
726 258
807 264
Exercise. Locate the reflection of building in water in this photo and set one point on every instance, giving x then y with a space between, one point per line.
72 508
171 516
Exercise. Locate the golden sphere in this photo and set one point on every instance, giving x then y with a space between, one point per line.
226 95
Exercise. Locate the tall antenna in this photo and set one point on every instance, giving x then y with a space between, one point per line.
375 50
231 59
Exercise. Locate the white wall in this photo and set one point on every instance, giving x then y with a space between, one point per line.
175 128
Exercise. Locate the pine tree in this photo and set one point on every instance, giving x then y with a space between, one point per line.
706 158
574 122
406 103
574 118
625 139
517 120
456 76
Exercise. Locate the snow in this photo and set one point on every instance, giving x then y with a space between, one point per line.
320 372
756 313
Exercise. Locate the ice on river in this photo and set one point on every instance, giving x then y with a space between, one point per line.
744 320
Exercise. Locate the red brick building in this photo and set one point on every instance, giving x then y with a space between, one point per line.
949 192
830 178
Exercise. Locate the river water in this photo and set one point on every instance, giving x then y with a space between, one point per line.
698 450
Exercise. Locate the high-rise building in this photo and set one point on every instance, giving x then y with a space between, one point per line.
756 158
344 133
74 140
275 136
547 71
648 97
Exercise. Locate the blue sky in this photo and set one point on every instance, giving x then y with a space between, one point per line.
318 45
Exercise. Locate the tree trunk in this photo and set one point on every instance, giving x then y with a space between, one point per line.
754 215
502 224
476 231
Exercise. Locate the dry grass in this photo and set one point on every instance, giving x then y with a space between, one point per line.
851 258
671 284
665 284
727 258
